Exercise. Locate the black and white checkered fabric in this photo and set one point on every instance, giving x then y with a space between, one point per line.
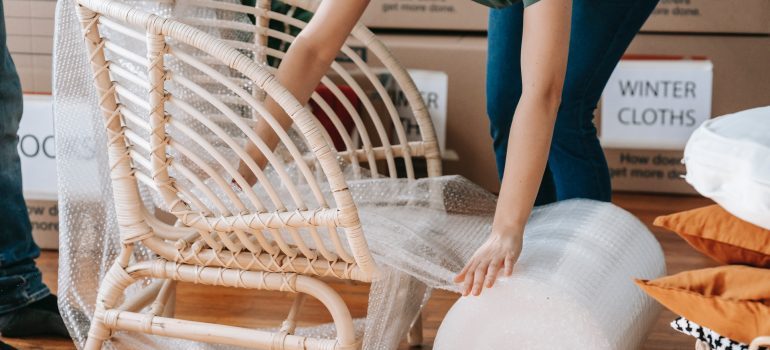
713 339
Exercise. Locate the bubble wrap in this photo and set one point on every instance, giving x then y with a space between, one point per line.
420 231
572 287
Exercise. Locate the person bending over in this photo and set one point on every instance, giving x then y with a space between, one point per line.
548 62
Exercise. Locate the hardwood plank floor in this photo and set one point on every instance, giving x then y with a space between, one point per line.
258 308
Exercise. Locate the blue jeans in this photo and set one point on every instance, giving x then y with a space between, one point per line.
20 280
601 32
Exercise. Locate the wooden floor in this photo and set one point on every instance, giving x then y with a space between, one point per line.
257 308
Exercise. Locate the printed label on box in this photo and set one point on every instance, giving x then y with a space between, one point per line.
426 14
677 8
647 171
655 104
37 148
433 86
387 7
710 16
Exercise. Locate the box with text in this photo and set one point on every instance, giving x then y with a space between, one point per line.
655 104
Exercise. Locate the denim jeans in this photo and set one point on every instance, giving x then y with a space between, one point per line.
601 32
20 281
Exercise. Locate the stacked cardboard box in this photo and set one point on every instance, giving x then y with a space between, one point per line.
734 38
701 16
740 81
30 27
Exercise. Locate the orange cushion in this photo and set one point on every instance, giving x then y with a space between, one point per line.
718 234
733 301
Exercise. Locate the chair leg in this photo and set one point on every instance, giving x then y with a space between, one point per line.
170 309
95 342
414 337
166 294
114 284
145 297
290 324
198 331
107 317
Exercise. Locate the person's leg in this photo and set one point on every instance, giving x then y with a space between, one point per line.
27 307
20 280
504 87
4 346
601 32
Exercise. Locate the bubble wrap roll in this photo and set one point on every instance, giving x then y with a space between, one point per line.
572 287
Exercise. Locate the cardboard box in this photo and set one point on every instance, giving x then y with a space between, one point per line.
685 16
29 26
35 72
740 82
463 58
29 8
44 217
30 44
647 171
458 15
710 16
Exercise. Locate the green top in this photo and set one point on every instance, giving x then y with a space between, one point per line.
504 3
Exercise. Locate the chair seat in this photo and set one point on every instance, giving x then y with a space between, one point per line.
190 248
199 254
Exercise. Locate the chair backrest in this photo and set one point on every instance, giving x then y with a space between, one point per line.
176 121
370 101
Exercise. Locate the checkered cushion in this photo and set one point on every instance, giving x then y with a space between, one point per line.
713 339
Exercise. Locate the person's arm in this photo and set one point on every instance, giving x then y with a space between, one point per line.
304 64
544 48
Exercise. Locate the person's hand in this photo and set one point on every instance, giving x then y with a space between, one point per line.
497 255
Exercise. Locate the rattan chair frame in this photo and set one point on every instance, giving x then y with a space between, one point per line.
187 252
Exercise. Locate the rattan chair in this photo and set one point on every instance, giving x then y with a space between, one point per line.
220 238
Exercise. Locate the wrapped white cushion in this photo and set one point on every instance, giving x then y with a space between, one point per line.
572 287
728 160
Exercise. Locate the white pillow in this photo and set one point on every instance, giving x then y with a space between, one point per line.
728 160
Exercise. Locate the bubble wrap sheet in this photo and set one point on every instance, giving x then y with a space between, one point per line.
420 232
